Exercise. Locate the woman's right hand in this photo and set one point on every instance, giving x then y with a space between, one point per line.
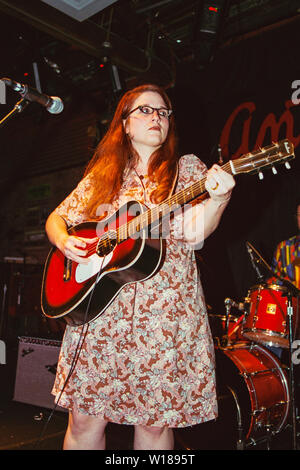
75 248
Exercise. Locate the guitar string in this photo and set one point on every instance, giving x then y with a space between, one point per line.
153 214
134 225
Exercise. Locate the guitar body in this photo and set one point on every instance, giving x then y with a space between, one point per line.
79 293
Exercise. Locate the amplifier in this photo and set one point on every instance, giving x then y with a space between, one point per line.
36 369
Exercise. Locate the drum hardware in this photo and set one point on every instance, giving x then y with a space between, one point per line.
258 412
230 335
240 444
264 409
290 312
226 340
257 372
233 346
263 440
226 330
280 403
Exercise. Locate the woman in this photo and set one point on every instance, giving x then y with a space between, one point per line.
148 360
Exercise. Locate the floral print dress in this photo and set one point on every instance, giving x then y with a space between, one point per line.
149 358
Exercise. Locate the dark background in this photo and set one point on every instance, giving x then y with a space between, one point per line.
216 59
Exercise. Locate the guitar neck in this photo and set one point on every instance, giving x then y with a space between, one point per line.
250 163
153 216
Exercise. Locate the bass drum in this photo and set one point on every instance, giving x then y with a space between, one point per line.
259 387
253 401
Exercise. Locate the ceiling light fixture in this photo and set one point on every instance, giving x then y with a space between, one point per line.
79 9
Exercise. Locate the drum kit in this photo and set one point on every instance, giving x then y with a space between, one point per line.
254 360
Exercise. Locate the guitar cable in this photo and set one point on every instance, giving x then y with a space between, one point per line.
82 336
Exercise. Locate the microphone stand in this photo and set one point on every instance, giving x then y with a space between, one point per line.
254 262
18 108
290 314
291 291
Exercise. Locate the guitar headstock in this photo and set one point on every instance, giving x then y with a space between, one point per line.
267 157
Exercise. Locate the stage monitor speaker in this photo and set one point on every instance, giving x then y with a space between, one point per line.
36 369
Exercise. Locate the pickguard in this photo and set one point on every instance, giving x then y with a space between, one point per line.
96 263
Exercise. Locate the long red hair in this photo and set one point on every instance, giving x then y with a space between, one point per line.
115 154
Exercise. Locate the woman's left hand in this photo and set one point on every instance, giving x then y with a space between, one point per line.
219 184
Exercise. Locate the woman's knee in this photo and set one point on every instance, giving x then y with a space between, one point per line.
80 423
154 431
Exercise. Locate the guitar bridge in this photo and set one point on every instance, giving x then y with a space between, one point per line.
106 243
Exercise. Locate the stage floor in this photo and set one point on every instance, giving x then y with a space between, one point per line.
25 426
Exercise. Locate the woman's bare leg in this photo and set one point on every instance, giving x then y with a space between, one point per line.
85 432
153 438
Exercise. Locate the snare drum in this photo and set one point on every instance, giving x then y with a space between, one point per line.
266 320
259 387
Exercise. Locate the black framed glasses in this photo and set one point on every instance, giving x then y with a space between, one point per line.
145 109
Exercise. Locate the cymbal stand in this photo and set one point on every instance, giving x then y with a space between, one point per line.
225 338
291 291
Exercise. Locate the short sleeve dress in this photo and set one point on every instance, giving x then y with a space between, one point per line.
149 358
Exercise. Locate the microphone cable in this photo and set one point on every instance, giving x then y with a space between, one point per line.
82 336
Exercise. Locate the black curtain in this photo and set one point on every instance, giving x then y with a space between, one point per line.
243 100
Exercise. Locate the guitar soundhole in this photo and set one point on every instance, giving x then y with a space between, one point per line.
107 243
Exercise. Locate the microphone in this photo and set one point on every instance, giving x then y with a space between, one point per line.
53 104
232 303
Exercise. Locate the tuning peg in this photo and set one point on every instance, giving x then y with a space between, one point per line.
261 175
274 170
287 165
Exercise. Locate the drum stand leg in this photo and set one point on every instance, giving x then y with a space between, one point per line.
240 444
269 432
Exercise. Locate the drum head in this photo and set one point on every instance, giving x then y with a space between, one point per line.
259 386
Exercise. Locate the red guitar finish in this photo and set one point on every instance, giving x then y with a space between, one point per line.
67 285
